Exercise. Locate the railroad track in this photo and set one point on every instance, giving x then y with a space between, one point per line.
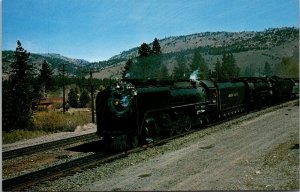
46 146
24 182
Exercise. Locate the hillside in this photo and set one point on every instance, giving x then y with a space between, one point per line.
251 50
73 66
217 42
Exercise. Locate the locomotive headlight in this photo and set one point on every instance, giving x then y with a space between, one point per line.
120 103
121 99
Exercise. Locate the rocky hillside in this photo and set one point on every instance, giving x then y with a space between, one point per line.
219 42
251 49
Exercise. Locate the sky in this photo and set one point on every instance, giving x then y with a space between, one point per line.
96 30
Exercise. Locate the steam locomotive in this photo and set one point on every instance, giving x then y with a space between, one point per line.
131 111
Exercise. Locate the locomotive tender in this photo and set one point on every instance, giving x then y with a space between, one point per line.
130 111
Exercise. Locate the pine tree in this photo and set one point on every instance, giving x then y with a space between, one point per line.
73 98
229 68
218 70
144 50
84 98
46 76
163 74
125 73
198 63
181 72
19 91
156 47
225 67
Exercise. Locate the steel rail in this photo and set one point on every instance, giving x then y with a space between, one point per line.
46 146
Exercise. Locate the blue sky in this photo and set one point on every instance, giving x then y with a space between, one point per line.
96 30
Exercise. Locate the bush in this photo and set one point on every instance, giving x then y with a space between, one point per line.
84 98
73 98
48 122
58 121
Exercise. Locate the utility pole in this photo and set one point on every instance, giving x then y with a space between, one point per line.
92 96
91 90
64 94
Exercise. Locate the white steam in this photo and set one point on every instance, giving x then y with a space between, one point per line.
194 76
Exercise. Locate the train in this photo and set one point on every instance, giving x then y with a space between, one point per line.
132 111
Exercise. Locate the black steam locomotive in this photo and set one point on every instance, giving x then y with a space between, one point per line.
131 111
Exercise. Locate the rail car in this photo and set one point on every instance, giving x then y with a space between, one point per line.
131 111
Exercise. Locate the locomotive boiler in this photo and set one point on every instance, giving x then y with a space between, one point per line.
128 112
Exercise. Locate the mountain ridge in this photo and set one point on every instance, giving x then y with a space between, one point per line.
214 40
250 48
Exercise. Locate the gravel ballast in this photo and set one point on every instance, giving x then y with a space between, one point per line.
259 151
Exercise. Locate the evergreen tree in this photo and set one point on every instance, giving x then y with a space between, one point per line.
163 74
143 68
233 69
73 98
156 47
144 50
225 67
218 70
149 61
19 92
155 65
45 77
84 98
249 71
229 68
181 72
125 73
195 61
198 63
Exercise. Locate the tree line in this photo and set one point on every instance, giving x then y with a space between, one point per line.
26 85
150 65
286 67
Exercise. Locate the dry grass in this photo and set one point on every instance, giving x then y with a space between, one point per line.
58 121
18 135
47 122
